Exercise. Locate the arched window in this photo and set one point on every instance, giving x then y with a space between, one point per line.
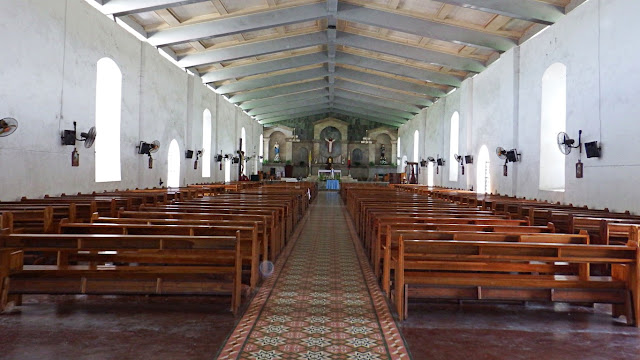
260 157
430 174
206 143
483 175
243 136
416 146
261 149
173 168
108 100
454 138
553 120
398 152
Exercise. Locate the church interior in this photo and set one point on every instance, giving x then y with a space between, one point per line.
319 179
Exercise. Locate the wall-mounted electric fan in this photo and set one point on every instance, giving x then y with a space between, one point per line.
565 143
68 137
501 152
508 155
458 158
8 126
148 149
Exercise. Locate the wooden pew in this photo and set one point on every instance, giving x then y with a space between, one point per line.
437 222
622 232
461 270
267 221
33 220
251 247
393 236
262 229
598 227
124 264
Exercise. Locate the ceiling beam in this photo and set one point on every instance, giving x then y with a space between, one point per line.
409 52
382 93
293 111
253 49
366 112
238 24
391 104
424 27
128 7
332 22
387 82
251 84
278 91
339 99
293 116
367 117
253 104
398 69
264 67
288 105
529 10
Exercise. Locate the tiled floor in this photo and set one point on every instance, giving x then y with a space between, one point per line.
318 305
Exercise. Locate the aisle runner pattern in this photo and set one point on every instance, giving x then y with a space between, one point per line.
318 304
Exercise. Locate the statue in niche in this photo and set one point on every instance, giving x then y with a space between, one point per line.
276 150
383 159
330 144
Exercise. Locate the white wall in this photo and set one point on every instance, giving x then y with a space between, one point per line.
48 72
501 107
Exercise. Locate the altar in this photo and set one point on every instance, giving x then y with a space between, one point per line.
315 148
330 174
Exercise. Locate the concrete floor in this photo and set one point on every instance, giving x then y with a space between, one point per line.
502 331
80 327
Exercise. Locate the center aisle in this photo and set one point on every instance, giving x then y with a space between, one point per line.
322 302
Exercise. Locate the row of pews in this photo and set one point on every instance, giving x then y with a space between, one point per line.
441 245
197 240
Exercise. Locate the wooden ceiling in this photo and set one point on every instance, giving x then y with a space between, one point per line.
382 60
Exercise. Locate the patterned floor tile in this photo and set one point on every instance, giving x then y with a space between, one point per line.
322 302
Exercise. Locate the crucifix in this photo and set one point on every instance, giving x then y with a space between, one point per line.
330 143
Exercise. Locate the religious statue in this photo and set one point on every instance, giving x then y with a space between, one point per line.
241 153
329 163
383 159
330 144
276 150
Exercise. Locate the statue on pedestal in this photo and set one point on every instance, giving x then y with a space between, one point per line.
383 159
276 150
